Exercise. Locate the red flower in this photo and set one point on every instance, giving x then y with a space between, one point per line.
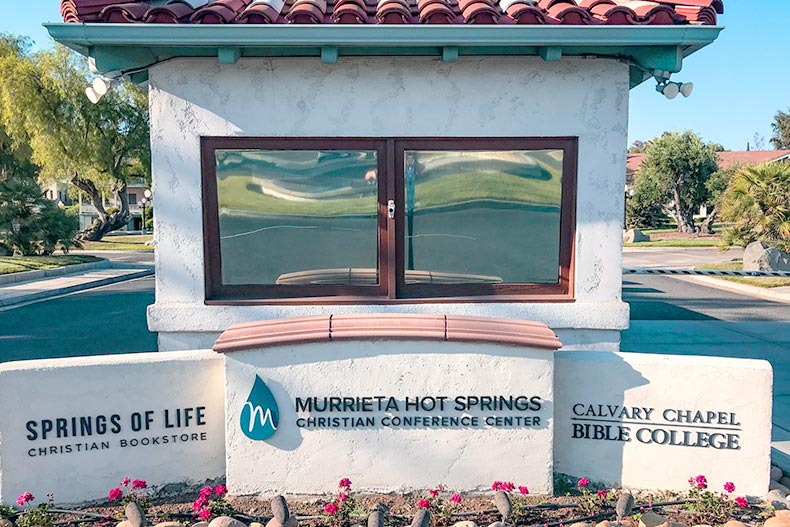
583 482
434 493
26 497
456 498
603 494
206 491
701 482
742 503
345 483
523 490
199 503
342 497
424 504
204 514
139 484
220 490
331 508
729 487
125 481
115 494
496 485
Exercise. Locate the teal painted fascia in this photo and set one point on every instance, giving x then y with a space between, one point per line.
128 47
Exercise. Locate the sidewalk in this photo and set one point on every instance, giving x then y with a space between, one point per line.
16 293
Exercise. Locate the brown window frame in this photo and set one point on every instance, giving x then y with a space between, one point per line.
392 287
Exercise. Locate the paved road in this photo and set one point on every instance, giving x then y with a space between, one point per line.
99 321
677 258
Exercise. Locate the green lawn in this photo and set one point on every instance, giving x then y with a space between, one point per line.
737 265
16 264
120 243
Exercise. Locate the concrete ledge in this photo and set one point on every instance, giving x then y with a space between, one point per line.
29 276
751 290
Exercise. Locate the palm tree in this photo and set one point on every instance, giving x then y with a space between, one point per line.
757 201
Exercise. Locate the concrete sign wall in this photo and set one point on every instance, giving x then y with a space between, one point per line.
389 415
651 421
75 427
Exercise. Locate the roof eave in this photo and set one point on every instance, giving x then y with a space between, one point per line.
133 47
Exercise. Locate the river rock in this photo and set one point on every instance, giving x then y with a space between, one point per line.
775 494
624 506
784 480
422 518
465 523
5 523
502 504
775 485
225 521
280 509
123 523
676 524
776 473
759 256
702 525
376 518
777 521
651 519
782 514
253 524
499 524
604 523
169 524
735 523
205 524
274 522
581 524
635 236
135 515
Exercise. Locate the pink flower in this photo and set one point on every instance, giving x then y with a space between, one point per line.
456 498
508 486
701 481
331 508
115 494
139 484
220 490
342 497
729 487
125 481
440 487
424 504
24 498
583 482
434 492
523 490
742 503
206 491
204 514
199 503
496 485
345 483
603 494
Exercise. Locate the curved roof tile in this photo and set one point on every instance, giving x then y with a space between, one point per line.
568 12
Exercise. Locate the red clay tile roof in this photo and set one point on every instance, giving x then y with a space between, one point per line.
569 12
726 159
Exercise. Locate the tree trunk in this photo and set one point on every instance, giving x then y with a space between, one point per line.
684 218
707 226
105 222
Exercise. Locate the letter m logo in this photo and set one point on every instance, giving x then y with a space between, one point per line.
259 416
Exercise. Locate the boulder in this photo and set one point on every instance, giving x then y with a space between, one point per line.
776 473
676 524
169 524
759 256
777 521
624 506
775 485
376 518
775 494
465 523
225 521
123 523
735 523
280 509
205 524
635 236
784 480
604 523
651 519
422 518
252 524
135 515
502 504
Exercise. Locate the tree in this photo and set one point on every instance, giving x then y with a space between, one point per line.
97 146
638 147
716 185
781 129
643 209
678 165
757 201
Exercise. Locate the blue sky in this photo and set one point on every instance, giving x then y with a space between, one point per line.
740 81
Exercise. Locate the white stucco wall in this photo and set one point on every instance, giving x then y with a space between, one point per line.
383 97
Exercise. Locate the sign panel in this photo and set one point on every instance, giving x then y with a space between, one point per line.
97 419
389 414
651 421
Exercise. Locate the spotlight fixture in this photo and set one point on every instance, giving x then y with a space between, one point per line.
670 89
101 86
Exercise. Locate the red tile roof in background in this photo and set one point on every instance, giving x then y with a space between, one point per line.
503 12
726 159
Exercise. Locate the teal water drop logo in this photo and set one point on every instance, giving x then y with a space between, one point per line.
260 417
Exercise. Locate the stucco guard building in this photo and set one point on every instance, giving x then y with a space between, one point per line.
439 157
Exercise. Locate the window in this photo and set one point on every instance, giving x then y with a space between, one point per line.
132 199
388 220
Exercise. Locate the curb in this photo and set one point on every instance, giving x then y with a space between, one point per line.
734 287
23 299
29 276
